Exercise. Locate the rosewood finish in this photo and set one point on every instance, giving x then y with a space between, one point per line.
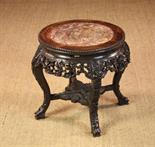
70 48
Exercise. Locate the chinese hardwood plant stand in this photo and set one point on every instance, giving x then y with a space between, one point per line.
72 47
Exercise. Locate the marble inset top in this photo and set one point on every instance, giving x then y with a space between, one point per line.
80 34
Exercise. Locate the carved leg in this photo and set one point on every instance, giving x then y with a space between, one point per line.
93 107
38 73
71 80
121 99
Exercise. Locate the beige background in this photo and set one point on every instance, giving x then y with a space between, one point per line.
67 124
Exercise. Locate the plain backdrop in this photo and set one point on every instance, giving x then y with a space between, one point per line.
68 124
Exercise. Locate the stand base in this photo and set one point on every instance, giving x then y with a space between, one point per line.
78 92
94 67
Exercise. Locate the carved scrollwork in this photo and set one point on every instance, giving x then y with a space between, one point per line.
76 92
94 68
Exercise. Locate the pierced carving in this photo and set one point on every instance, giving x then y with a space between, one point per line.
76 92
86 94
91 68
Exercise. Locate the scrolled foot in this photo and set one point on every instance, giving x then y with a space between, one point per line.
123 101
96 132
40 113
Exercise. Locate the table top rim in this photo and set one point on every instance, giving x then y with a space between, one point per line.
119 36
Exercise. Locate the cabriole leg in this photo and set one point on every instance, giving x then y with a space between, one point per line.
93 107
38 73
122 100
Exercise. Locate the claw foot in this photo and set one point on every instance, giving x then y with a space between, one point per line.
96 132
123 101
40 114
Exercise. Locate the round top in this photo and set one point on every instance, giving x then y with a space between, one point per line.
81 35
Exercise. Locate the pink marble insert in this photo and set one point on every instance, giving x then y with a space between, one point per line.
81 34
